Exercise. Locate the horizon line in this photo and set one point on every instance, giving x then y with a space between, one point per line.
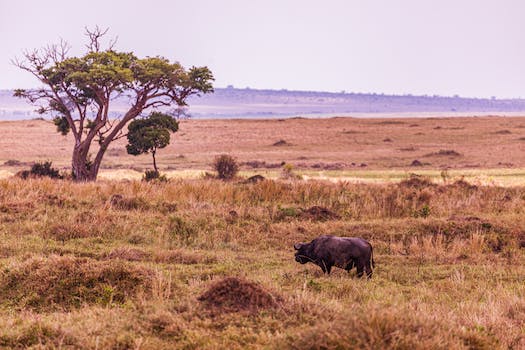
345 92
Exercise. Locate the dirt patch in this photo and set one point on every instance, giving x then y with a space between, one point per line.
234 294
352 132
390 122
254 179
444 153
281 143
502 132
255 164
325 166
64 282
318 213
14 162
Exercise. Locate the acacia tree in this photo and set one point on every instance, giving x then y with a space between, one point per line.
147 135
78 92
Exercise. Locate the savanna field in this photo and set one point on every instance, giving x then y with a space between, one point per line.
200 263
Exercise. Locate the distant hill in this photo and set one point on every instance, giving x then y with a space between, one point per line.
254 103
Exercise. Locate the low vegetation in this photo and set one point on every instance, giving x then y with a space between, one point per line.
196 264
226 166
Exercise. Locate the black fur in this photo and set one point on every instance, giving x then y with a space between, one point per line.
342 252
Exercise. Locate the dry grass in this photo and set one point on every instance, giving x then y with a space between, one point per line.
65 282
122 265
483 142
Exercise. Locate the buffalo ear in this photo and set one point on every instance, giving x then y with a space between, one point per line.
297 246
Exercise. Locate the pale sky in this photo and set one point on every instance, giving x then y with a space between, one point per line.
473 48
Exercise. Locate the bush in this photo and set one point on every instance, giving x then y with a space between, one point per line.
41 169
226 167
153 175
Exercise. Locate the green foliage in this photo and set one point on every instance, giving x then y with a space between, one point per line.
41 169
62 125
79 92
19 92
226 167
288 172
153 175
151 133
423 212
287 212
148 134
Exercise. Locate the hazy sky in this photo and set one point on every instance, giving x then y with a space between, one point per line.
446 47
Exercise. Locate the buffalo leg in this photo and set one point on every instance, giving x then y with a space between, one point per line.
360 267
349 266
322 268
368 269
326 268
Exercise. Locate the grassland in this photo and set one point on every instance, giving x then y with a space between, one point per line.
199 263
312 145
134 265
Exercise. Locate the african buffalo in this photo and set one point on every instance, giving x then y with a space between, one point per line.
343 252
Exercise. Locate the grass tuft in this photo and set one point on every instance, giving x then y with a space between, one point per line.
63 282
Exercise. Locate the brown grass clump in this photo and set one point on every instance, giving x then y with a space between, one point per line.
463 185
39 335
66 231
118 201
318 213
416 181
385 329
64 282
129 254
182 257
234 294
444 153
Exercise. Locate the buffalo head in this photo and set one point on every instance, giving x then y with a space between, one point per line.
301 255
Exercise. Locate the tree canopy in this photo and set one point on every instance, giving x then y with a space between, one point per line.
147 135
78 92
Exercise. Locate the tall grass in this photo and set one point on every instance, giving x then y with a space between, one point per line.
122 264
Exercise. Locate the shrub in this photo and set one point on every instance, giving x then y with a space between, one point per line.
41 169
288 173
226 167
153 175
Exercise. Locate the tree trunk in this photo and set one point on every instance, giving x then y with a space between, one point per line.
95 166
79 164
154 162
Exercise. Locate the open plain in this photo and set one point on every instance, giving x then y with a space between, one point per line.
333 146
199 263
